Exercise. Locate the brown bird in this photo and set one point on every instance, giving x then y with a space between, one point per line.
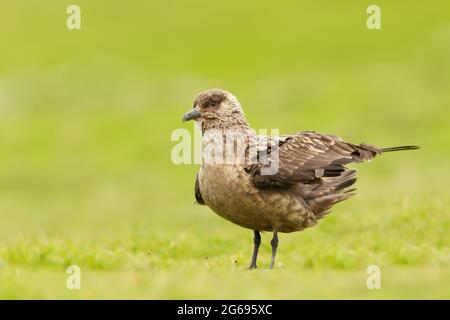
277 184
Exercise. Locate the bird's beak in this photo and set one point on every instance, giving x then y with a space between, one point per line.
191 115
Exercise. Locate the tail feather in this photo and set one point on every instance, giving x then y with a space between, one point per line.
333 187
346 184
366 152
330 191
400 148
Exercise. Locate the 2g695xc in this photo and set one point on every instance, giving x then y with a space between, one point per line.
253 309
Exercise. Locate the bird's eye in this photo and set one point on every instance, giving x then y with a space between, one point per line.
213 104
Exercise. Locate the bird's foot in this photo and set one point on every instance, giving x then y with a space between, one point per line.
252 267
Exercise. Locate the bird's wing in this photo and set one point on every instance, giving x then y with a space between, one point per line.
307 156
198 195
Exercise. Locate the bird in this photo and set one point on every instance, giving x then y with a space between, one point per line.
280 184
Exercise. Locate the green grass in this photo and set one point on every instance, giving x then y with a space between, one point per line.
208 259
85 124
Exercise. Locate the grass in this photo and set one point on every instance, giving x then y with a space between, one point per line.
208 258
85 125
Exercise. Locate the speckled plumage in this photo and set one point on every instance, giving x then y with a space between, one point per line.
311 176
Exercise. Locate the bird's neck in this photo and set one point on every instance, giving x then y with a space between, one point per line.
227 145
233 124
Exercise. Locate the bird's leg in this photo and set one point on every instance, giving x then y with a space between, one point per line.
274 244
257 242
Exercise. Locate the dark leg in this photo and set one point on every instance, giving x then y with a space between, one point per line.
274 244
257 242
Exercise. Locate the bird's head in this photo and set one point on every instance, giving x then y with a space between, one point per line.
216 109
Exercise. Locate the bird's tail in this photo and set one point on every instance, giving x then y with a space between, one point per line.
401 148
321 197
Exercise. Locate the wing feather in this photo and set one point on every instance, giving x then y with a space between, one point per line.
307 156
198 194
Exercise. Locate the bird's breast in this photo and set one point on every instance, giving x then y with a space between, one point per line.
229 192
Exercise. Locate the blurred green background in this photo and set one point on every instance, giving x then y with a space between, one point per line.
86 117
